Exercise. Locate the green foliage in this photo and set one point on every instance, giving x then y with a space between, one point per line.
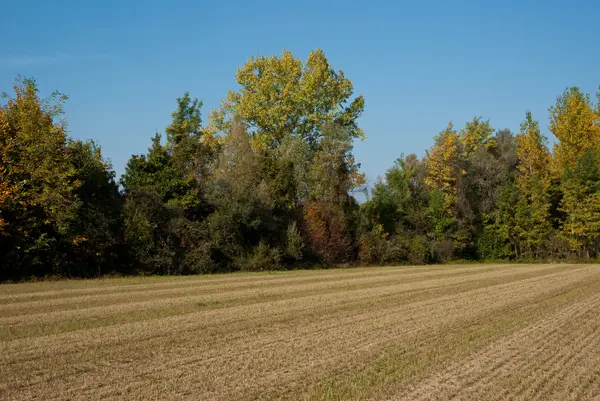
581 203
492 245
294 243
373 246
419 250
186 121
268 184
98 229
262 257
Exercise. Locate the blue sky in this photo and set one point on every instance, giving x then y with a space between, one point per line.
419 64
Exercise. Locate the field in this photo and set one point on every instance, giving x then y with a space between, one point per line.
480 332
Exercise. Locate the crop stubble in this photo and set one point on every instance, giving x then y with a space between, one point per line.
436 332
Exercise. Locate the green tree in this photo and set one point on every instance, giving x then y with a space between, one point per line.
333 174
98 226
581 203
193 148
242 228
165 196
398 203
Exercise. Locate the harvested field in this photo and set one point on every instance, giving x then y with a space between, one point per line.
478 332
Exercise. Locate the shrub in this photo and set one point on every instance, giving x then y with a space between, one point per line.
262 257
419 250
491 245
398 249
326 230
444 250
559 247
294 243
373 246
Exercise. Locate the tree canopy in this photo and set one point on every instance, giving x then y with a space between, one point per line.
268 182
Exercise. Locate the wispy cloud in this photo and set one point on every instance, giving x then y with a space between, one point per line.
22 61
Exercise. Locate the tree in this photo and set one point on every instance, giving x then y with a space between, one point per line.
333 174
576 126
581 203
533 182
155 172
448 209
193 149
476 133
98 226
165 193
153 245
508 225
242 228
399 201
6 190
186 120
281 96
444 166
43 204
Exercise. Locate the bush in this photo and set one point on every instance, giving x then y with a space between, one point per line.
294 243
373 246
199 260
491 245
444 250
398 249
326 229
419 250
558 246
262 257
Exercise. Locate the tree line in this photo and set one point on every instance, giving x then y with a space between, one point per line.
268 182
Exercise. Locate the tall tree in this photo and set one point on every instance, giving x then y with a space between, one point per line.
165 196
282 96
477 133
443 166
186 120
581 203
332 176
576 125
98 249
242 225
533 182
399 201
192 147
43 206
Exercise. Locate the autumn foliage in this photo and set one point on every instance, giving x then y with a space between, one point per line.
269 182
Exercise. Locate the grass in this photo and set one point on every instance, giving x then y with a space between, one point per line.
415 333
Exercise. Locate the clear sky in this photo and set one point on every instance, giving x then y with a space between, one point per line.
419 64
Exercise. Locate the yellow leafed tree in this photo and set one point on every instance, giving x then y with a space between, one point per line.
281 96
443 168
475 134
576 125
533 182
533 155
